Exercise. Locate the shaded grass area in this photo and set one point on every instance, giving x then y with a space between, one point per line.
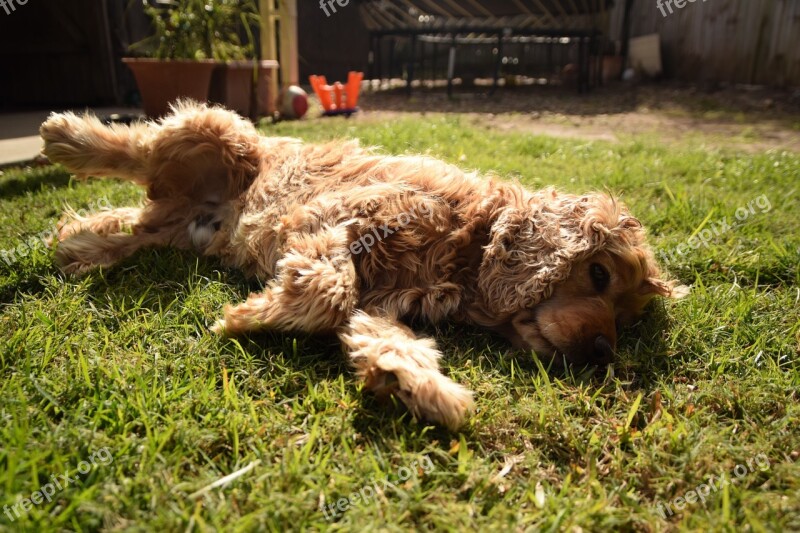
122 359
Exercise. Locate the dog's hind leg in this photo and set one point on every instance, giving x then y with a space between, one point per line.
87 147
314 289
197 152
392 360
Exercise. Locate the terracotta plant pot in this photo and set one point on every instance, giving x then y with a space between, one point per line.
232 85
234 82
161 82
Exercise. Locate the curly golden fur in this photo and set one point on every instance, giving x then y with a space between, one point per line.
358 244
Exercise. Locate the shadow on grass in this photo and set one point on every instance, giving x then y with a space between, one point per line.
645 340
157 279
644 346
33 181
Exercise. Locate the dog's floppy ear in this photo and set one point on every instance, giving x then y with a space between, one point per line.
505 232
499 265
522 260
534 243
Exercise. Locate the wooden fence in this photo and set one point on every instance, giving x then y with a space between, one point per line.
736 41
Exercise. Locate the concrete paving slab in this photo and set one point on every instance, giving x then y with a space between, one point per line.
19 132
19 150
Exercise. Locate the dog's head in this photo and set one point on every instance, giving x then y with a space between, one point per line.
563 272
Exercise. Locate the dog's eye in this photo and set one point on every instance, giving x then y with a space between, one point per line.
600 276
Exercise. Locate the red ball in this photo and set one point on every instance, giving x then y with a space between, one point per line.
293 102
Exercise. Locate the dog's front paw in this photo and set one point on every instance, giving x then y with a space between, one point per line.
439 399
427 394
228 325
219 328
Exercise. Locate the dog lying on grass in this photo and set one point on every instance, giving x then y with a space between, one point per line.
357 244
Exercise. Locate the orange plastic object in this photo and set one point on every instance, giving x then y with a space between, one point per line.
338 89
353 88
338 98
323 90
328 103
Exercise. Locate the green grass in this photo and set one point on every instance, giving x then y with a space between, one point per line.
123 360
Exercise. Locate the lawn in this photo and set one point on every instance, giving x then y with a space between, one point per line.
119 408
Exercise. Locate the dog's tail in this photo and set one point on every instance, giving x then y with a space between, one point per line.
197 151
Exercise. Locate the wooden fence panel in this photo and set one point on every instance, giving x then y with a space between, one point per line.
736 41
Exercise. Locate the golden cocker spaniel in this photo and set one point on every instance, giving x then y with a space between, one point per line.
358 244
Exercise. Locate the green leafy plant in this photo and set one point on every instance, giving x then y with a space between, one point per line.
200 29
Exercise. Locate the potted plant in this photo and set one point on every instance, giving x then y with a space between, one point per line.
191 38
232 83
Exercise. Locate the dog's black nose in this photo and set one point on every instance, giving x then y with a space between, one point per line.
603 351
